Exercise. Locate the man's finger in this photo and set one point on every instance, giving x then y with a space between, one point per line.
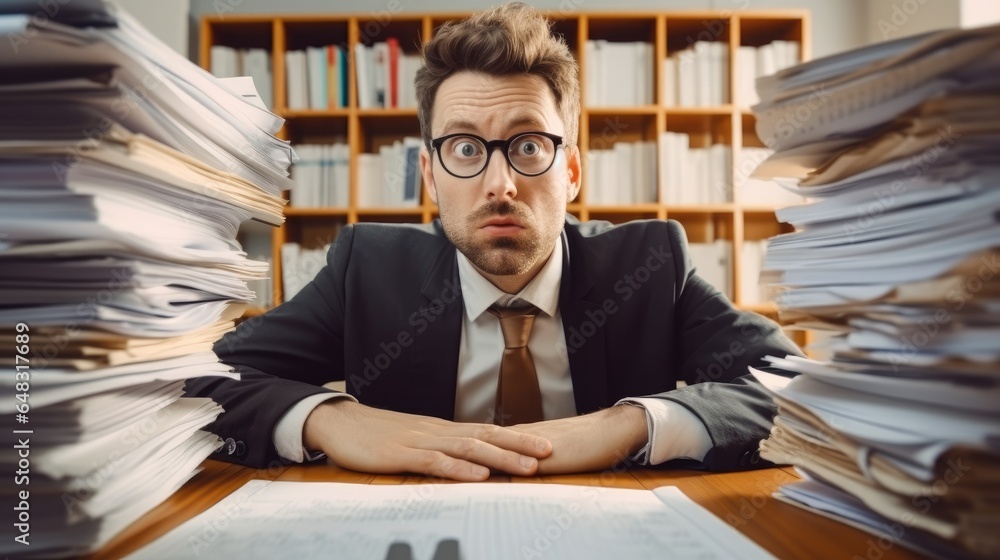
436 463
506 438
486 454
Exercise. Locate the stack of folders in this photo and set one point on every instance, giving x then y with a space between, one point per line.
125 172
619 74
714 263
385 75
754 62
752 253
316 78
322 175
299 266
391 178
624 174
694 175
697 76
899 257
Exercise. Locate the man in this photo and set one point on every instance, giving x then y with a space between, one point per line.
427 323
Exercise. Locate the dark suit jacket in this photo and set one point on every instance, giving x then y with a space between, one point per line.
386 313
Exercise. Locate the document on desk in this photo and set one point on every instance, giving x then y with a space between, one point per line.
300 520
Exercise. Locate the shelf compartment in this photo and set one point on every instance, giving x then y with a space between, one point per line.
405 29
313 231
302 33
685 31
240 34
316 130
391 215
758 30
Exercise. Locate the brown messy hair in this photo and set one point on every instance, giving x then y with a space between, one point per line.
507 40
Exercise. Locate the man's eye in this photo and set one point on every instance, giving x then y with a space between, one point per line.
466 149
528 148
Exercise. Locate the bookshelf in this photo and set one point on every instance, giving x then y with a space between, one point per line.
738 221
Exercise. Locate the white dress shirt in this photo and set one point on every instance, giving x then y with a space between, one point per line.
674 431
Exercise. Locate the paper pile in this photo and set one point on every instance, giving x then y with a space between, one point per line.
125 172
899 257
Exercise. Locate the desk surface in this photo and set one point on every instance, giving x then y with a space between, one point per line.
742 499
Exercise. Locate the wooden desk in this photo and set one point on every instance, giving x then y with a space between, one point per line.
741 499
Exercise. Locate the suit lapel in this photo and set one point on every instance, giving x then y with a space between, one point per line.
585 339
435 357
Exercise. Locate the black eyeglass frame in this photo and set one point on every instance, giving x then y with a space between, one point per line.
492 145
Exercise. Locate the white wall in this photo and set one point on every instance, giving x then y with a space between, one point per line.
166 19
975 13
892 19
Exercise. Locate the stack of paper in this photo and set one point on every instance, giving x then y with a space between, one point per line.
125 172
899 431
65 82
758 193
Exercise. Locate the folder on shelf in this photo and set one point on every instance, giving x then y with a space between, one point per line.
316 62
297 80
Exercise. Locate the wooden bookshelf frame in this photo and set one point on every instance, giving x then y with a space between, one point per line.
666 29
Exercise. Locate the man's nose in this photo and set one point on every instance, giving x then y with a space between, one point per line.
498 177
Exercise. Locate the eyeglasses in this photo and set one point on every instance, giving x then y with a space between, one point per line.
467 155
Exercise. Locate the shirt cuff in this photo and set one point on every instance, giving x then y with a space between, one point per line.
674 432
288 430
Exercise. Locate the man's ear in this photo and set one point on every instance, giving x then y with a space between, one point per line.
574 173
426 173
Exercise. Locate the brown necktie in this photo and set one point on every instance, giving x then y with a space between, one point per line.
518 399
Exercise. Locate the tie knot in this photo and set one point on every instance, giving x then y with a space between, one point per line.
515 323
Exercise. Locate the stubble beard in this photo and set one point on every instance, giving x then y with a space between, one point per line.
500 256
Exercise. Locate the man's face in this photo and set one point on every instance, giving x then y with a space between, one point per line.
504 222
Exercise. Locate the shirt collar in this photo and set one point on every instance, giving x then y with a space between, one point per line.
542 291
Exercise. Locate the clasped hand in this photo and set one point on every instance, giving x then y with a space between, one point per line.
372 440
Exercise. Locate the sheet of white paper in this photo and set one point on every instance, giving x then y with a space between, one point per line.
245 88
321 520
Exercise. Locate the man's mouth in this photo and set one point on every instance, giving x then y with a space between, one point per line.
502 225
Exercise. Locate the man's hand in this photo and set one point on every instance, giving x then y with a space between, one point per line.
591 442
371 440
